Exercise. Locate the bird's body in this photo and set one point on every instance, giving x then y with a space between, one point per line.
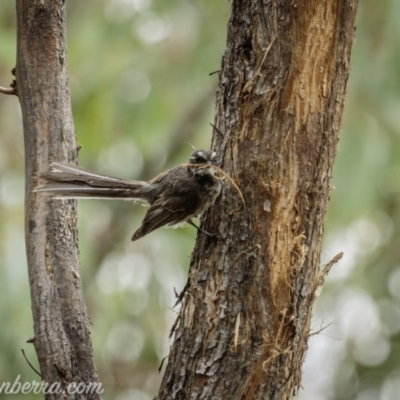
174 196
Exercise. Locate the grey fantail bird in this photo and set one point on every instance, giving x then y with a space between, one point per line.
175 196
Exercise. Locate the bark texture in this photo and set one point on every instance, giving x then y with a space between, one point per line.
244 324
62 338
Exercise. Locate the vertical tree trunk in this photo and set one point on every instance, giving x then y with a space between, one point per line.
62 338
244 324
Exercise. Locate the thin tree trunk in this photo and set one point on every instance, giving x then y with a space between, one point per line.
244 324
61 325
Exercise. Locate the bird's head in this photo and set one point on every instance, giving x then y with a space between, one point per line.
203 157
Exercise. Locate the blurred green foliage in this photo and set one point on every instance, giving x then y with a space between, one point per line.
140 86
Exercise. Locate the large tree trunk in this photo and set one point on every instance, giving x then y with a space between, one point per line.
244 324
62 338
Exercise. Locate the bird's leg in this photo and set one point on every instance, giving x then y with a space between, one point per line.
210 235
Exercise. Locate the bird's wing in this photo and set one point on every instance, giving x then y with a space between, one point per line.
167 212
172 172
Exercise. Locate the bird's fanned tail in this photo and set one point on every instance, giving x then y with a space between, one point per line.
67 181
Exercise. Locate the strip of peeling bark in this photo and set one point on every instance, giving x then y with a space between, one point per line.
61 325
244 324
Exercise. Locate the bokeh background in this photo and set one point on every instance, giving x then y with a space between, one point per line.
141 89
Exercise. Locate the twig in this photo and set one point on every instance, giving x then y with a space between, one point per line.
320 329
180 296
162 363
218 130
10 90
172 331
325 271
26 358
327 267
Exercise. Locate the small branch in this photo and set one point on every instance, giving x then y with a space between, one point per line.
180 296
319 281
320 330
172 331
10 90
217 129
26 358
327 267
13 87
161 364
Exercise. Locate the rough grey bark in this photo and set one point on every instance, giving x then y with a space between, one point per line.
244 324
61 325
